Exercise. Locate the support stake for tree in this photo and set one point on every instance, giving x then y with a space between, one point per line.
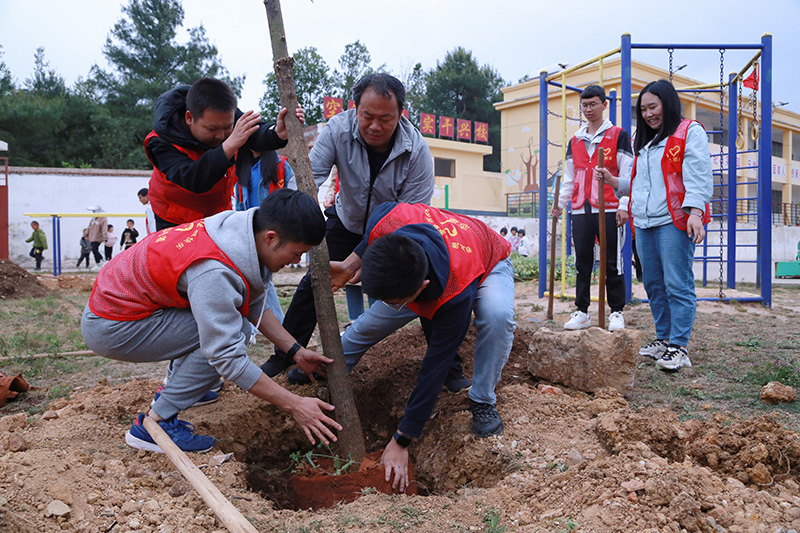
229 515
601 199
351 438
553 251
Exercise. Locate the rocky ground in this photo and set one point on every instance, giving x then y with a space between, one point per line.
567 460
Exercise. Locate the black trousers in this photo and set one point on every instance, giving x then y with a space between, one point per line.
585 230
96 252
301 316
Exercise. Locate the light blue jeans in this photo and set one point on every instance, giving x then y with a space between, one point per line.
667 255
355 301
494 320
273 303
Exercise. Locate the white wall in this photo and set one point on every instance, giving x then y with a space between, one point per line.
48 190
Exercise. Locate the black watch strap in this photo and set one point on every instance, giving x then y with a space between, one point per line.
294 349
402 440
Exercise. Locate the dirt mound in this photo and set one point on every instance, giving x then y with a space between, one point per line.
16 282
72 281
568 461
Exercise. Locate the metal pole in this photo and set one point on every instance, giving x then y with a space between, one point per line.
447 197
542 182
563 174
57 239
625 123
733 160
764 264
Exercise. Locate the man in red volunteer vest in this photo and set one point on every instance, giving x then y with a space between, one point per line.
190 295
580 188
197 131
442 266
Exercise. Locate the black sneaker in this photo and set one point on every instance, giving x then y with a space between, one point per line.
298 377
457 383
486 420
275 365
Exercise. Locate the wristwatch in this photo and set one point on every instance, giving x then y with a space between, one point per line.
402 440
294 349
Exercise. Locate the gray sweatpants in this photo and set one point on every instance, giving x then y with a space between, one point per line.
166 335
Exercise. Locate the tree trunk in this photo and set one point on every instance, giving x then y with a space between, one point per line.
351 438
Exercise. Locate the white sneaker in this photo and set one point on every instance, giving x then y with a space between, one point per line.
96 268
654 350
675 358
578 320
616 321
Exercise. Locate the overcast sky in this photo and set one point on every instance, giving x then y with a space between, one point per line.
517 37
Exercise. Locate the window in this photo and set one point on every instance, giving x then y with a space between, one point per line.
444 168
795 147
777 142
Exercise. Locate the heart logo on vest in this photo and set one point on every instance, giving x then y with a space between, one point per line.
674 152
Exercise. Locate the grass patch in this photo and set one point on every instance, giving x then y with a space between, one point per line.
783 369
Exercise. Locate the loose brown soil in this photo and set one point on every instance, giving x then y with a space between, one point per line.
16 282
693 451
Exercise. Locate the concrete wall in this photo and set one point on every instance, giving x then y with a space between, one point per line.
43 190
53 190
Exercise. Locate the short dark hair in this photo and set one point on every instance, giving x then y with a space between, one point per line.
110 226
384 84
670 114
295 216
394 266
513 228
594 90
142 192
211 93
521 231
503 230
130 220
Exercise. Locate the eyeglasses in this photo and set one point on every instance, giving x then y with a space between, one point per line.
398 307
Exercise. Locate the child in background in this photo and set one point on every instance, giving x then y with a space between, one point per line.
111 240
524 248
513 239
504 232
129 236
86 248
39 245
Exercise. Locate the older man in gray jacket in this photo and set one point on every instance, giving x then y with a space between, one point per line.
381 157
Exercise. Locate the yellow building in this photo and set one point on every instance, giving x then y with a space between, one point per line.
519 125
461 182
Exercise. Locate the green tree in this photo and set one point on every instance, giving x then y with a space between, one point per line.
461 88
313 82
6 80
414 82
45 82
147 59
355 64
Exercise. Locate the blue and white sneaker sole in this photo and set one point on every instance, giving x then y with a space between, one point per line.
139 444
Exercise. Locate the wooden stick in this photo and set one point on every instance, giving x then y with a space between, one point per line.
229 515
553 252
80 353
601 199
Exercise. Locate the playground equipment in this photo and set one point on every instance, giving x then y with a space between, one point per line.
56 220
725 202
789 269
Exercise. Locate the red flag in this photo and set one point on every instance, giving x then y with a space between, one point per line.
427 124
751 81
332 106
464 129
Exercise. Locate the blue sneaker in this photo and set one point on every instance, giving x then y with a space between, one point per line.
207 398
180 431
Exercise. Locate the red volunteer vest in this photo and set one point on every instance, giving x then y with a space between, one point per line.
672 169
144 278
584 166
178 205
473 247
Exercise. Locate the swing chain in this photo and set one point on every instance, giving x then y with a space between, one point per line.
739 114
754 103
670 50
